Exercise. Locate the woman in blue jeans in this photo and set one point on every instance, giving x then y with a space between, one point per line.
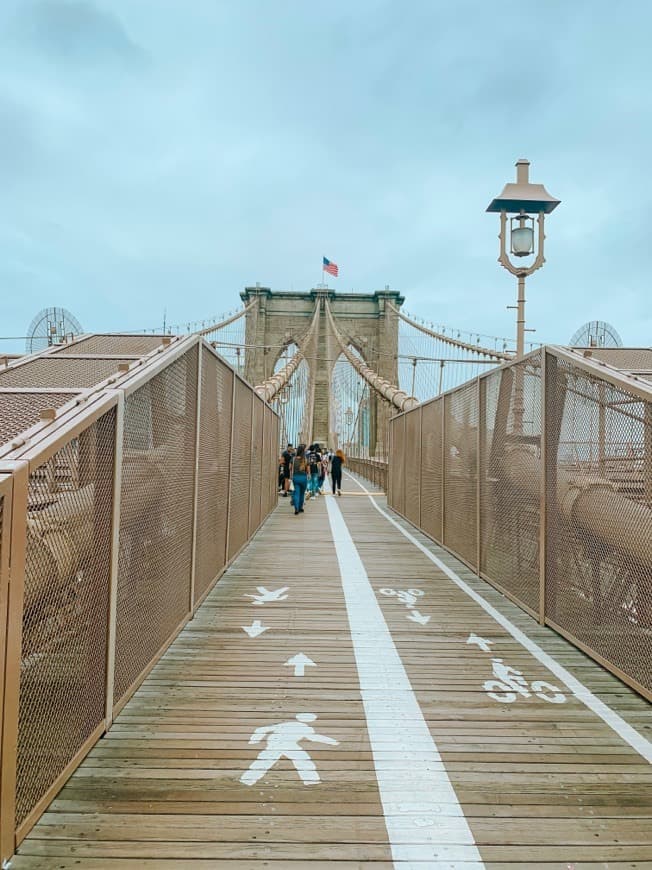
299 479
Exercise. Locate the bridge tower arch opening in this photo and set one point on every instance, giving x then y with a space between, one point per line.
367 321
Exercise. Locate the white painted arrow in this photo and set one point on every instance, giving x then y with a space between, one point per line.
299 663
482 642
265 595
255 628
415 616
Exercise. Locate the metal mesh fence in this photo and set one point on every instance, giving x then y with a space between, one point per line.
592 441
60 372
20 411
598 586
460 471
213 471
412 467
156 516
397 463
256 474
62 678
509 480
132 345
240 468
432 471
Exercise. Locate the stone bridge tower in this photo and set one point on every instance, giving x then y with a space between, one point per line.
281 318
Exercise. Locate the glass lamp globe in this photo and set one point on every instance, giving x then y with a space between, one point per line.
522 241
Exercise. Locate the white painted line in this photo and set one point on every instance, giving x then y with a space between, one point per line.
609 717
430 830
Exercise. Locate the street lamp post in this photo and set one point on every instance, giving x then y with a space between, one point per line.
521 201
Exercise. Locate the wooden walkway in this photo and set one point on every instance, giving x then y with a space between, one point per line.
389 750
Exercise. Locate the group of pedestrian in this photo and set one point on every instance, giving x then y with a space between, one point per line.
302 473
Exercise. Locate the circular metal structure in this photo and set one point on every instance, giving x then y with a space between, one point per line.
596 333
51 326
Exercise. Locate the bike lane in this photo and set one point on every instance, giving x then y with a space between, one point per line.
541 778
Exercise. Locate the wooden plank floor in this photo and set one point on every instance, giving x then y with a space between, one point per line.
537 783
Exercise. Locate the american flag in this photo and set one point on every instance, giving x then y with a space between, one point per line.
329 267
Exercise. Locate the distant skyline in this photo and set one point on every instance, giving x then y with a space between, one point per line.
161 155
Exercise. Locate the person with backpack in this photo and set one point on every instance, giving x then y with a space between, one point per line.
314 461
299 478
288 455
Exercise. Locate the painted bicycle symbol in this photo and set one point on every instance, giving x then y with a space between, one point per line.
408 597
510 683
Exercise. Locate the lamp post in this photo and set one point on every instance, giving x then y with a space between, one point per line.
521 201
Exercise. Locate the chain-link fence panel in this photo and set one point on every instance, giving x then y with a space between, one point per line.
598 587
213 470
65 611
131 345
61 372
460 471
256 474
240 468
431 469
413 473
20 411
397 464
156 516
510 480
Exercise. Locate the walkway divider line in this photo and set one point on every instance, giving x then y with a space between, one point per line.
623 729
429 827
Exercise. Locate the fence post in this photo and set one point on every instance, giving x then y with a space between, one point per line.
115 558
228 479
13 639
478 470
420 409
443 470
251 464
195 486
543 501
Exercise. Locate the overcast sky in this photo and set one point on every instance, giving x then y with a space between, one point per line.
165 153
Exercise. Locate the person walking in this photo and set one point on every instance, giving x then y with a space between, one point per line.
336 471
299 478
288 455
314 462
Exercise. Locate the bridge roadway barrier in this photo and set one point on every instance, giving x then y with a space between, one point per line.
373 470
538 475
350 696
118 513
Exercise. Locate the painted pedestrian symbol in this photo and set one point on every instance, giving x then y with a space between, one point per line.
266 595
408 597
283 742
255 628
510 683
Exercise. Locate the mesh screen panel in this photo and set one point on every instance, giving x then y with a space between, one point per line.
599 535
398 463
256 476
60 372
460 471
626 358
413 473
431 480
156 516
213 482
240 468
19 411
134 345
509 482
62 680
